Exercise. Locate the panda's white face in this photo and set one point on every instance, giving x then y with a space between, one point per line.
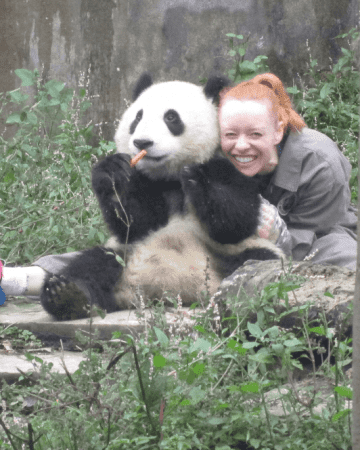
175 123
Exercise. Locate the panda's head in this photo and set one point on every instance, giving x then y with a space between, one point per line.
175 121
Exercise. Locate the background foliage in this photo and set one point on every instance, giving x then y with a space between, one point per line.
46 202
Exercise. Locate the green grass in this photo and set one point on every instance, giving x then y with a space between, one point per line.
203 389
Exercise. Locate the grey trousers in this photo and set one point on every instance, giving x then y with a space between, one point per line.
338 247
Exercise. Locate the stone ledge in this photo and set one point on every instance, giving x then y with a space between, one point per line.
11 363
32 317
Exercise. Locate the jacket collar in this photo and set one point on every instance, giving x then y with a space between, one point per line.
288 172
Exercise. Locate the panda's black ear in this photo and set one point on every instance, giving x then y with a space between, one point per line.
143 83
214 85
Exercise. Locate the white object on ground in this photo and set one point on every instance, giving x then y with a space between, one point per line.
23 280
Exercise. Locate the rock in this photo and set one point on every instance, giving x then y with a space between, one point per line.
329 289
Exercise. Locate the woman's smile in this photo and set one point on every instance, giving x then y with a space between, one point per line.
245 160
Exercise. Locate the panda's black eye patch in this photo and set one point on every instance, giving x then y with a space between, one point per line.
173 122
135 122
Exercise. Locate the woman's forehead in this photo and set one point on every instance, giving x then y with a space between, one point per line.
246 108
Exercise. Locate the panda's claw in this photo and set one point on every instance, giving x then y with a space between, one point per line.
64 299
186 169
54 287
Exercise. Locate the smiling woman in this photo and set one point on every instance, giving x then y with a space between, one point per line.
302 172
249 135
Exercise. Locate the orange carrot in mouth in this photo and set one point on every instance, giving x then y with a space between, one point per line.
137 158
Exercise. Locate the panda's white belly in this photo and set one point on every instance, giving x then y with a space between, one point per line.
169 262
176 260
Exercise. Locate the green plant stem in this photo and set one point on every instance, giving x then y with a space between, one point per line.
267 417
8 434
143 391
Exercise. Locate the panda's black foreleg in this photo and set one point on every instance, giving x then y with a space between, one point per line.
87 280
224 200
110 182
131 203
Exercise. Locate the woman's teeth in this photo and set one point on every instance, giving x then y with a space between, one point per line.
245 160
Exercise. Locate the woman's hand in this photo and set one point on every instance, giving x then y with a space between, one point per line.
272 227
268 221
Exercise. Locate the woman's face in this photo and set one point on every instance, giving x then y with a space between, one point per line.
249 135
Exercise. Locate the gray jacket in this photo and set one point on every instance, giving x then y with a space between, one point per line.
310 189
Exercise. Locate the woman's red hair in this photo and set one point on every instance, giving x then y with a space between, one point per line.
266 86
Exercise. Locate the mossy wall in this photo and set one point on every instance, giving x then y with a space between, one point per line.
111 42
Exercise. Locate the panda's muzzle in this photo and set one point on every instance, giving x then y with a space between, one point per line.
143 144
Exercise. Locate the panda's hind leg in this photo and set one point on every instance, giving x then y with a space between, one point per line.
89 279
63 299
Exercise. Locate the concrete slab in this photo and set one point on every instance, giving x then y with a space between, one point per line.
11 363
31 316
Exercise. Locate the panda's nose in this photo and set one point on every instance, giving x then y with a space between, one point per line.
142 144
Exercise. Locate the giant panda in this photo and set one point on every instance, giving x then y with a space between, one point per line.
184 210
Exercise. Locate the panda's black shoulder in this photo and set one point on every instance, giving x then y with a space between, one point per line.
169 191
158 184
153 187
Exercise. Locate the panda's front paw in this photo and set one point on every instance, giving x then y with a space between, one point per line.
113 171
194 180
63 299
